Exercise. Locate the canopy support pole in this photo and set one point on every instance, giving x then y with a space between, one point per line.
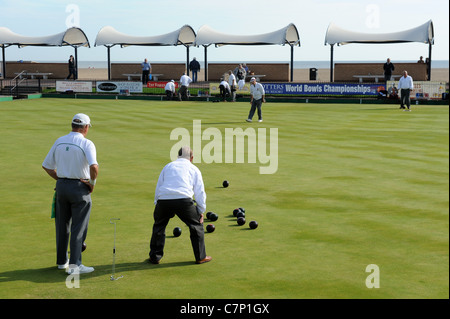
3 62
206 62
429 61
76 63
331 63
187 60
109 62
292 63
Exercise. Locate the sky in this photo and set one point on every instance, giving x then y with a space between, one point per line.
240 17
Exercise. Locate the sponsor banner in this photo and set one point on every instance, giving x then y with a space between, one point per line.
159 85
310 89
119 87
74 86
425 89
322 88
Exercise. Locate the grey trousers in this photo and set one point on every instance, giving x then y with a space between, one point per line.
256 104
187 212
73 208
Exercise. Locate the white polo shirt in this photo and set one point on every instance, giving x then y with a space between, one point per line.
181 179
170 86
257 91
71 155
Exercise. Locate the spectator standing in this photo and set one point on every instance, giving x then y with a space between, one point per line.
388 67
194 67
146 71
72 68
232 84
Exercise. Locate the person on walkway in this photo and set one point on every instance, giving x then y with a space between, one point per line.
194 67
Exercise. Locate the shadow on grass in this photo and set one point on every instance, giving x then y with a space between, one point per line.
52 274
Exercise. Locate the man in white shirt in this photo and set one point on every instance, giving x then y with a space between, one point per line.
72 162
405 85
170 89
257 97
232 83
184 82
178 182
224 89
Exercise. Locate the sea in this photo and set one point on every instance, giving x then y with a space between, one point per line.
435 64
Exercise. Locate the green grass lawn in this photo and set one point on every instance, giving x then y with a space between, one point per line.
355 185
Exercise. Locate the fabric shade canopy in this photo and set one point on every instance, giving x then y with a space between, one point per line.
422 34
109 37
287 35
73 37
207 36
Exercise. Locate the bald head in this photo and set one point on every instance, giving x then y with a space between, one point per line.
186 152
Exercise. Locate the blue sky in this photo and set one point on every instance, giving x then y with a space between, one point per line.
247 17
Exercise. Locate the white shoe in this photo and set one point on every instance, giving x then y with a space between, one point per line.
81 269
248 120
259 121
65 266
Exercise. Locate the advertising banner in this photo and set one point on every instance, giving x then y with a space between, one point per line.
322 88
119 87
74 86
160 85
311 89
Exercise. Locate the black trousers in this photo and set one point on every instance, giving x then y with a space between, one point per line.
405 98
182 93
187 212
145 74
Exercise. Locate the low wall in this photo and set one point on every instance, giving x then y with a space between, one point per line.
59 70
169 71
344 72
274 72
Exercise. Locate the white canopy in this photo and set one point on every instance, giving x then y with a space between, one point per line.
287 35
423 34
339 36
108 36
73 36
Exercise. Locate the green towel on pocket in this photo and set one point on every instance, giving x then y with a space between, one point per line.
53 206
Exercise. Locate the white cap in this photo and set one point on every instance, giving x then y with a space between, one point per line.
252 79
81 119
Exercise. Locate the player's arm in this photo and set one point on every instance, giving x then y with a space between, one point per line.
51 172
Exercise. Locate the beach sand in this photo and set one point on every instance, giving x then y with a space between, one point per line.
300 75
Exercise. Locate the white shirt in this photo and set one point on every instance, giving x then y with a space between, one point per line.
71 155
170 86
257 91
185 80
232 80
225 85
181 179
406 83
